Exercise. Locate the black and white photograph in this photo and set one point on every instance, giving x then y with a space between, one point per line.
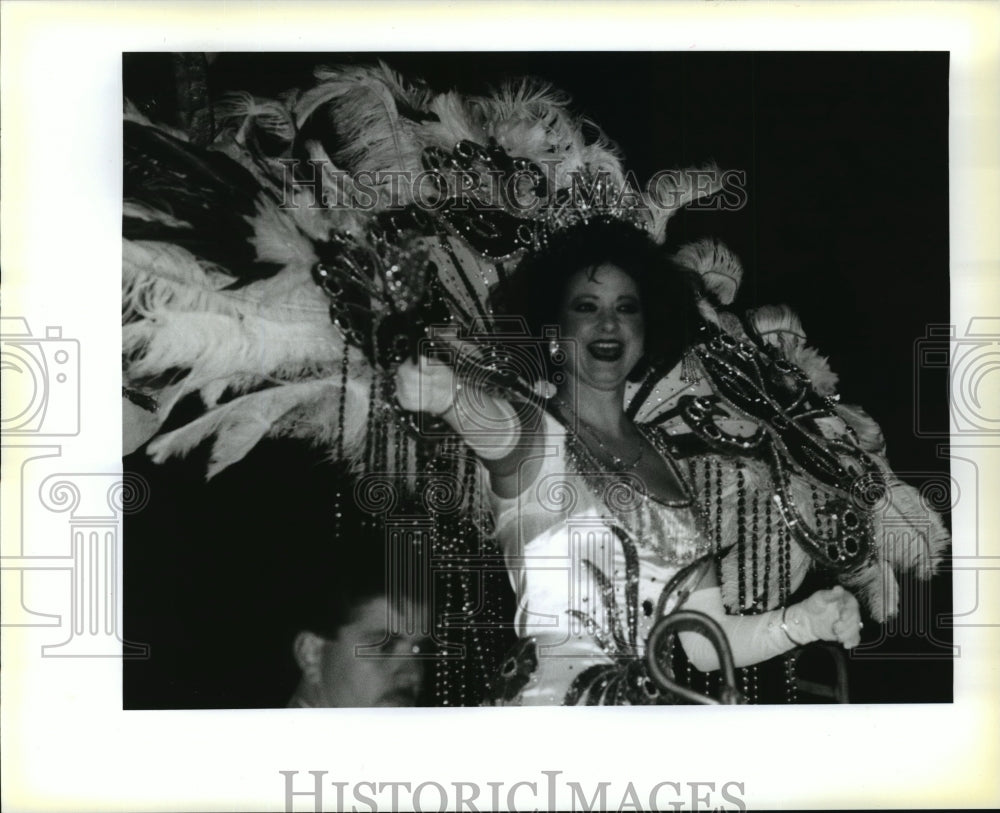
542 370
577 408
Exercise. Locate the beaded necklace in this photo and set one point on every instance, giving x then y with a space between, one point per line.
627 499
618 464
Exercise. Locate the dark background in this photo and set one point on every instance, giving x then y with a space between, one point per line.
846 158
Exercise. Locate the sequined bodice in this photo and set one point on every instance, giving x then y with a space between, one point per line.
589 553
568 492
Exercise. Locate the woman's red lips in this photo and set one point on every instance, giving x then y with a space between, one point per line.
606 350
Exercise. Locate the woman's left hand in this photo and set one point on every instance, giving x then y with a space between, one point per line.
848 625
827 615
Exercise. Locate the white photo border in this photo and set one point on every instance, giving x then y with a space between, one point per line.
67 743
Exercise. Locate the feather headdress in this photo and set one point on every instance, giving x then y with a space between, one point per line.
236 257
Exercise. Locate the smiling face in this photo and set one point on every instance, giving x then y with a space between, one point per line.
601 316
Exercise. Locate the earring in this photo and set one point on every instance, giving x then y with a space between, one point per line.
554 350
544 389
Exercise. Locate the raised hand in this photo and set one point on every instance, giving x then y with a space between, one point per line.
425 386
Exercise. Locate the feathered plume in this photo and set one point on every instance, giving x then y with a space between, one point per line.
245 112
216 346
451 122
719 268
867 431
359 109
240 425
779 326
669 192
532 119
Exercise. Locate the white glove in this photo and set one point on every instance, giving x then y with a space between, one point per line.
827 615
427 386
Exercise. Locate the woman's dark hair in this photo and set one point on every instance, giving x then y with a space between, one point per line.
668 293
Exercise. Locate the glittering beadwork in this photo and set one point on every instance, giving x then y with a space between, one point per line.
759 385
635 520
634 510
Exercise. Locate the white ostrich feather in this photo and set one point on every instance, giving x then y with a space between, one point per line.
669 192
240 424
277 239
456 123
364 114
821 376
718 267
528 118
337 195
779 326
413 95
532 119
132 113
912 536
215 346
869 433
236 383
158 276
245 111
876 588
140 211
319 424
521 99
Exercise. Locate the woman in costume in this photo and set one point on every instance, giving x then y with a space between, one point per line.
594 513
286 305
